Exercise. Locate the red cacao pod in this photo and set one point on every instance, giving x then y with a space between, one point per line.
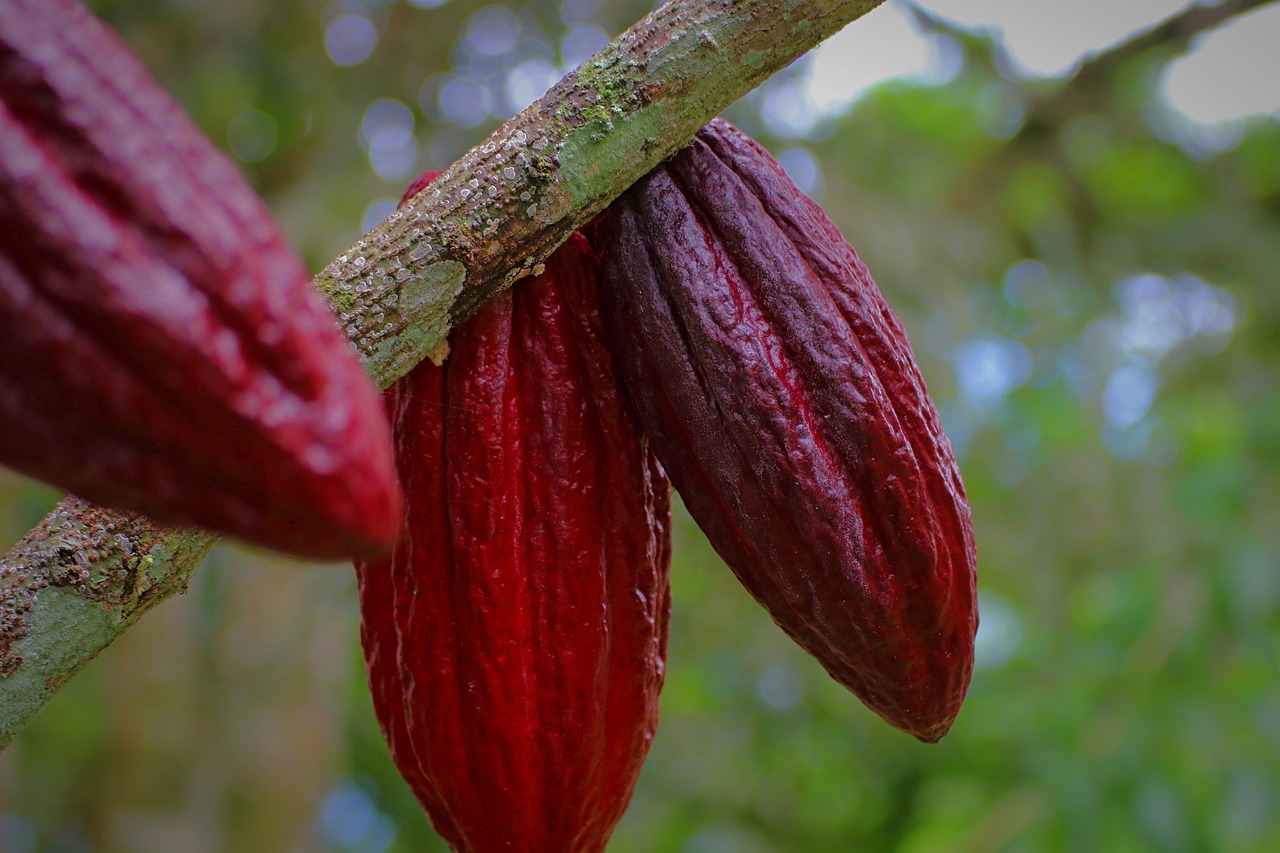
162 348
781 394
419 184
516 636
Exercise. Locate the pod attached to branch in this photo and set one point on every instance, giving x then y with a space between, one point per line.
516 636
781 395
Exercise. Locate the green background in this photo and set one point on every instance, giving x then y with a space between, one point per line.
1090 286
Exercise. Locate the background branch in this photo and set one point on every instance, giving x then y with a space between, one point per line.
1168 39
1095 88
1174 35
85 574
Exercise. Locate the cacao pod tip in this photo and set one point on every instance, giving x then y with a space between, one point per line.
344 529
360 514
929 731
378 534
370 535
163 350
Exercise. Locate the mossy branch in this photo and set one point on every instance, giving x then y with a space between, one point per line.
85 574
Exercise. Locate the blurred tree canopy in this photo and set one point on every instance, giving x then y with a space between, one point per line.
1089 282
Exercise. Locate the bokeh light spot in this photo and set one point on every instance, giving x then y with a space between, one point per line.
350 39
1129 394
252 136
802 167
464 100
386 134
780 687
350 820
989 368
999 633
491 31
529 81
580 44
376 211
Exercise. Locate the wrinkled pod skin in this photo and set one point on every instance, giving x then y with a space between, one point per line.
161 347
781 395
516 636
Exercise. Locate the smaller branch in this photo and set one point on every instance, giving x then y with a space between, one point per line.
1174 35
1177 30
1090 90
1164 42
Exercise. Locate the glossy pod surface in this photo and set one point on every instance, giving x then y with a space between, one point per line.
161 348
781 394
516 636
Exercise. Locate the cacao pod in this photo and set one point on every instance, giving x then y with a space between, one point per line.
162 348
782 397
419 184
516 636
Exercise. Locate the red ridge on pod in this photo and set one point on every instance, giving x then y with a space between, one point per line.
516 636
781 394
162 348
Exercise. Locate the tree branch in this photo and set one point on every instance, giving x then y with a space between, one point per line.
1174 34
1172 37
85 574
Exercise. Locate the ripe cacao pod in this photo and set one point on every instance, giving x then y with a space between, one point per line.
781 395
516 636
419 184
162 349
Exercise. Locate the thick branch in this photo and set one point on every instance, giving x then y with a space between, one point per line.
85 574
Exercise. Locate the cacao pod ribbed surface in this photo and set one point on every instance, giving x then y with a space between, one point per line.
516 636
161 347
781 395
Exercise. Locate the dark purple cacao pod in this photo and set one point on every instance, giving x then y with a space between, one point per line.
161 348
516 636
782 397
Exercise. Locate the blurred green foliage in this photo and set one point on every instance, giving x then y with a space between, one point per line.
1091 290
